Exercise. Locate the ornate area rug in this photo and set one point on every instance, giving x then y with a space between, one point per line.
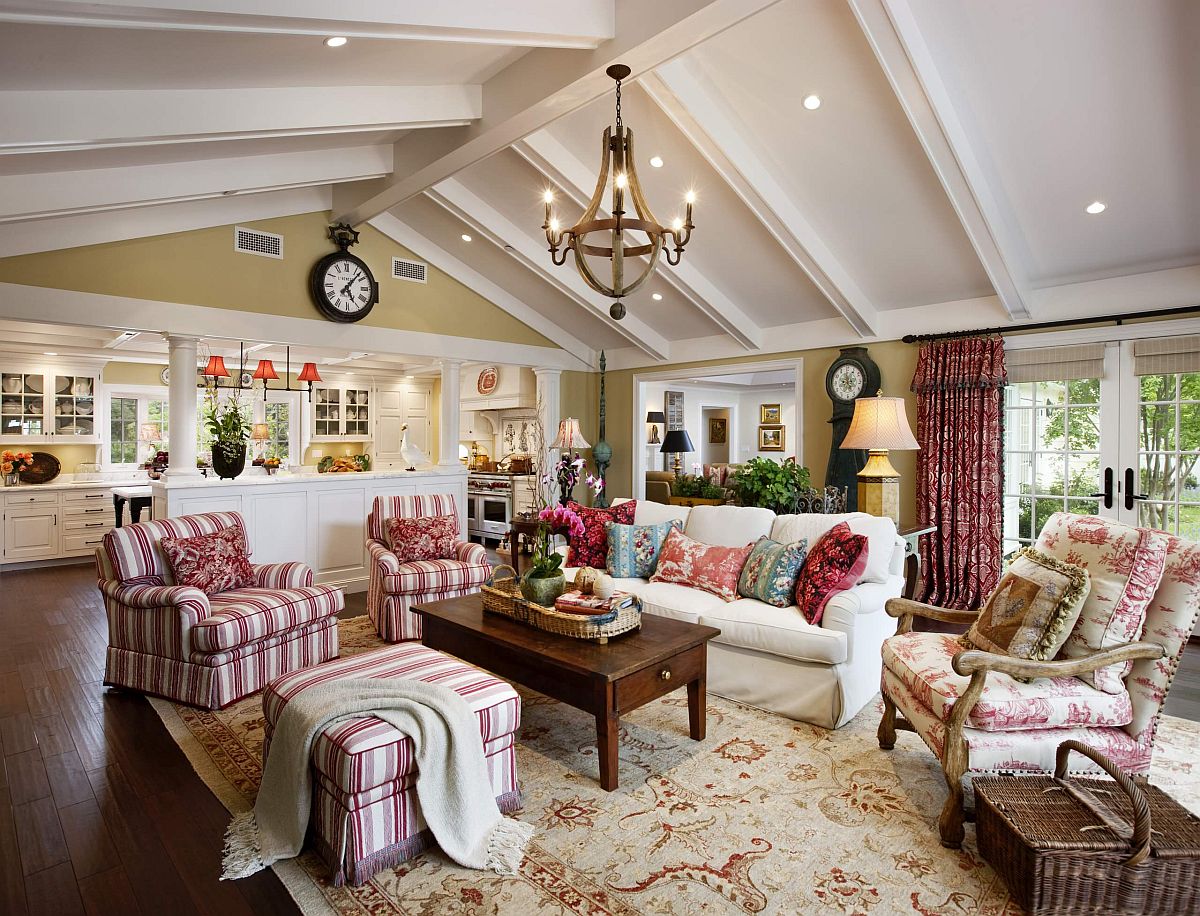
766 815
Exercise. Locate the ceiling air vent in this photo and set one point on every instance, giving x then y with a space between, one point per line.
413 271
255 241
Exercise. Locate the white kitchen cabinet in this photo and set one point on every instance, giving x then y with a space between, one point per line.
43 404
342 412
55 522
515 388
403 402
31 533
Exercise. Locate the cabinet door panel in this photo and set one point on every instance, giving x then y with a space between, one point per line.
30 534
389 401
388 436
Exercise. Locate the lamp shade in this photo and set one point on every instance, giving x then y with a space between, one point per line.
656 416
265 370
149 432
880 423
216 368
569 436
308 373
261 432
677 440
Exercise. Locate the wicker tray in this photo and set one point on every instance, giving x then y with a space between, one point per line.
502 595
1089 846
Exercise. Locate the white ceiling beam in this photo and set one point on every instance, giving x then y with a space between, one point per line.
703 116
894 36
404 234
563 168
54 120
47 194
542 86
533 23
488 222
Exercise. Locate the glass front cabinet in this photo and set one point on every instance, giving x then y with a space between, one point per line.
341 413
39 404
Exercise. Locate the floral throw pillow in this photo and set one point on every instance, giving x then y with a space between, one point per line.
833 565
686 561
592 548
771 571
633 549
1032 610
429 537
213 563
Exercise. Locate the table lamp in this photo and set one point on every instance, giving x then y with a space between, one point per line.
655 417
150 433
676 442
569 436
879 425
260 433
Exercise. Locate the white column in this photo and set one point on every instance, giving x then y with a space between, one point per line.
549 395
449 411
181 429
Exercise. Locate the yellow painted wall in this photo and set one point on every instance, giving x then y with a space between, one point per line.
896 363
201 268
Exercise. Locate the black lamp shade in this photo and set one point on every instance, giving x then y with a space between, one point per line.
677 440
656 416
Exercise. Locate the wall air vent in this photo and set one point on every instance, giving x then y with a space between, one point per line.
413 271
255 241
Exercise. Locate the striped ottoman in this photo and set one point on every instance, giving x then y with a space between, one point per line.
366 816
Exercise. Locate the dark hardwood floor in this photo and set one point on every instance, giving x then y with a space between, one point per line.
100 812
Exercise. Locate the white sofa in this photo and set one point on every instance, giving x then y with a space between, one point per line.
772 657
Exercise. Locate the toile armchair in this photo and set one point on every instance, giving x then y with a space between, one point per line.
970 709
397 583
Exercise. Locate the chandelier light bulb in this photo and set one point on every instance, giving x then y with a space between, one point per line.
622 180
690 197
554 225
677 224
548 197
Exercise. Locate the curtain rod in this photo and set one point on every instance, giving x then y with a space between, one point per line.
1046 325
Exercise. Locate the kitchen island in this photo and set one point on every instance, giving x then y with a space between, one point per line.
318 519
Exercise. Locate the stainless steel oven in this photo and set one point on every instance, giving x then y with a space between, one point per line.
489 505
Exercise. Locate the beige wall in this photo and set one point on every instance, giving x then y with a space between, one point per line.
201 268
896 363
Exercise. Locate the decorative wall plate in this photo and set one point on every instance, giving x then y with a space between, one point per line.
489 378
44 469
165 375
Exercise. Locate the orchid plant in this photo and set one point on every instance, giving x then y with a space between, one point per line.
547 563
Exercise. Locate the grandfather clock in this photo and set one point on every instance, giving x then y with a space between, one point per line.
602 451
852 375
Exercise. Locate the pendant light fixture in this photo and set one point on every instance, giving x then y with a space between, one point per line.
617 160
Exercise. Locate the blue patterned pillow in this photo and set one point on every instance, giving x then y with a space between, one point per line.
771 571
633 549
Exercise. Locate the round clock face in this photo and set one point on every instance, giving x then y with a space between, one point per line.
343 287
848 381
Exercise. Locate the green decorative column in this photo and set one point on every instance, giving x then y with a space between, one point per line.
602 451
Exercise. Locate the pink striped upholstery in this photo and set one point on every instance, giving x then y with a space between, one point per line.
365 796
395 585
206 650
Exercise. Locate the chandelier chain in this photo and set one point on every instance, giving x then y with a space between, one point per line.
618 106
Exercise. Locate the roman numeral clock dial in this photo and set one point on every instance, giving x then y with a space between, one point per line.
342 285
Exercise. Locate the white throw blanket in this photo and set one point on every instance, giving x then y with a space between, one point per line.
453 787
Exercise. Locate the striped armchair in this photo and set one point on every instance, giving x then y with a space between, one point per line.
206 650
397 583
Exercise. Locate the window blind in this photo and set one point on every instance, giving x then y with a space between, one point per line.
1166 355
1052 364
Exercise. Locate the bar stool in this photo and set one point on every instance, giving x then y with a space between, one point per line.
138 497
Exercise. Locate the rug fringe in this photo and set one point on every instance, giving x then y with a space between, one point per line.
241 856
506 845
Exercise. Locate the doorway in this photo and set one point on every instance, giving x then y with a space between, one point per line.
715 423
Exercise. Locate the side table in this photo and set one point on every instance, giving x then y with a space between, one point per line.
912 555
526 528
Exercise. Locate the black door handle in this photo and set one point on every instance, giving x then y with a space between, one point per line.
1107 495
1130 496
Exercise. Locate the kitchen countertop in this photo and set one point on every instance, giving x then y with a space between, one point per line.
58 484
285 478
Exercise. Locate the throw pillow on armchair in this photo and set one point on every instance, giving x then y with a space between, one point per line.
213 563
429 537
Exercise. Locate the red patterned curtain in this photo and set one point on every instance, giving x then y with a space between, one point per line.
960 471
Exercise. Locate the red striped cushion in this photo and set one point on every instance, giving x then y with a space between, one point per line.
435 576
250 614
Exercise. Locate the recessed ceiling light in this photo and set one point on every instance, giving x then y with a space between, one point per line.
335 41
49 353
812 102
657 297
1096 206
656 161
465 237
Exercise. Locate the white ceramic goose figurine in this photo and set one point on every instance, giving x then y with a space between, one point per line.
412 455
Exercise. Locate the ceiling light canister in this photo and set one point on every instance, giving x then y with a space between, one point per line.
812 102
335 41
1096 206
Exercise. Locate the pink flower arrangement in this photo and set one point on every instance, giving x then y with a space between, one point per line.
562 520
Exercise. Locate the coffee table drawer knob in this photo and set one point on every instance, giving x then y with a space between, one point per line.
665 674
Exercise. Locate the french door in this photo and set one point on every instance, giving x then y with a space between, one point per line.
1110 429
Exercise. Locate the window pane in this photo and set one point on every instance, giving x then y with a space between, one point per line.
1084 391
1051 473
1158 387
1083 428
1051 425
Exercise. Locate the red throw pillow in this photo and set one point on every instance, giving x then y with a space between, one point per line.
686 561
213 563
430 537
592 549
833 566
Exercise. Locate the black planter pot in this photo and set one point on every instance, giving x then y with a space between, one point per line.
228 464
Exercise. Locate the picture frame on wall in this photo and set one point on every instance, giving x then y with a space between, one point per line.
771 439
718 430
770 414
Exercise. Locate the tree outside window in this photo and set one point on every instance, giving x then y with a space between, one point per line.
278 419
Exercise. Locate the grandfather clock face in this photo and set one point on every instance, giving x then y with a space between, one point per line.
851 376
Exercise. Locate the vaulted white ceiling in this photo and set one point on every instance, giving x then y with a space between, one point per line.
941 184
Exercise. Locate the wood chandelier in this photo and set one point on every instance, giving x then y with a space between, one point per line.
617 158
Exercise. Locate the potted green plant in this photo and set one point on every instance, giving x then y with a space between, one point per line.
230 430
771 484
697 488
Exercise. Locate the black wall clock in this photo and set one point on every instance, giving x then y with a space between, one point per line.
852 375
342 285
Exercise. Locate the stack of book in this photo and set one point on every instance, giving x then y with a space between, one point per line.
592 605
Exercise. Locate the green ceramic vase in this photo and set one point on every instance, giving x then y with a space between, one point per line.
543 591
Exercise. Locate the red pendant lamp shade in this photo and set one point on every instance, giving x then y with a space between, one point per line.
265 370
216 368
309 373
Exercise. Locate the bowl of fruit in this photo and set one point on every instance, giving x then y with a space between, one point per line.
270 465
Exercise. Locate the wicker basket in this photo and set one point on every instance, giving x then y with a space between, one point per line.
502 595
1066 847
625 618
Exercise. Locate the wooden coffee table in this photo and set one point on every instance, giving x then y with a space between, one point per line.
606 681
